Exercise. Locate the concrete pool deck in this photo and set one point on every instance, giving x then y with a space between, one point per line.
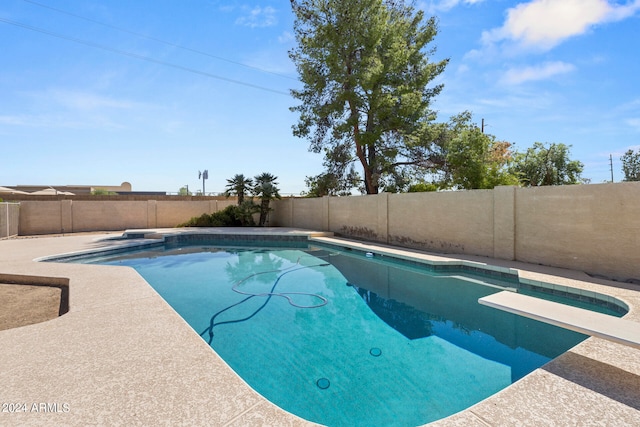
122 356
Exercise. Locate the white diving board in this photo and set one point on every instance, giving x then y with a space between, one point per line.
576 319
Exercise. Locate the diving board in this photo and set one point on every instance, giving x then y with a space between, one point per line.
576 319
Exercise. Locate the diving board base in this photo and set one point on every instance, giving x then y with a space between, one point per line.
576 319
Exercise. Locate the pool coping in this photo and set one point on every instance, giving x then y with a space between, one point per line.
576 319
121 355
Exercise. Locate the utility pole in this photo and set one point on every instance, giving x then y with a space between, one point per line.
482 126
611 166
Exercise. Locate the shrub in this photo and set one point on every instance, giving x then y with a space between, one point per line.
231 216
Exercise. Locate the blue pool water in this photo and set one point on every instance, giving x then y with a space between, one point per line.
342 339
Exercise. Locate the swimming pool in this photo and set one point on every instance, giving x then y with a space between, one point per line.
342 338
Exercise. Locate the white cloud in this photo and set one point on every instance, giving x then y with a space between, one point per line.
462 69
629 113
258 17
61 121
63 108
543 24
272 61
86 101
286 37
633 105
435 6
515 76
520 100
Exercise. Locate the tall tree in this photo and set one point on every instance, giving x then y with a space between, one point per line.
238 186
542 165
265 187
631 165
365 73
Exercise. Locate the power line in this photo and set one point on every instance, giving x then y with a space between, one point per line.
137 56
144 36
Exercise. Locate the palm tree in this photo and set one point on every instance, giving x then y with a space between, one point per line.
265 187
238 186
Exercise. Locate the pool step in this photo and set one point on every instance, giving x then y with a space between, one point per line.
576 319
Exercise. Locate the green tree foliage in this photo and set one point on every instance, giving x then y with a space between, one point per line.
365 73
265 187
246 211
324 184
475 160
238 186
464 157
547 165
184 191
631 165
339 177
422 187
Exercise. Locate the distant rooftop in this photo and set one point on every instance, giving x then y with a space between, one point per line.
124 188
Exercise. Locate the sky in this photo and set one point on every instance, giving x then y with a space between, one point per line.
151 92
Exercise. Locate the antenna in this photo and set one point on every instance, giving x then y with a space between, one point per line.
204 175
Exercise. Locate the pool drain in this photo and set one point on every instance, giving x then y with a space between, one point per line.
375 352
323 383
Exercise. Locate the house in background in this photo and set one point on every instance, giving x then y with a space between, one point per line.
45 190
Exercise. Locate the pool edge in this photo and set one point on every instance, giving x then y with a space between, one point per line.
574 397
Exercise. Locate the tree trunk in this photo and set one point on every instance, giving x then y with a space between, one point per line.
264 211
369 186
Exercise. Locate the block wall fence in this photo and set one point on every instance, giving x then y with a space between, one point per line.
9 218
72 216
593 228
